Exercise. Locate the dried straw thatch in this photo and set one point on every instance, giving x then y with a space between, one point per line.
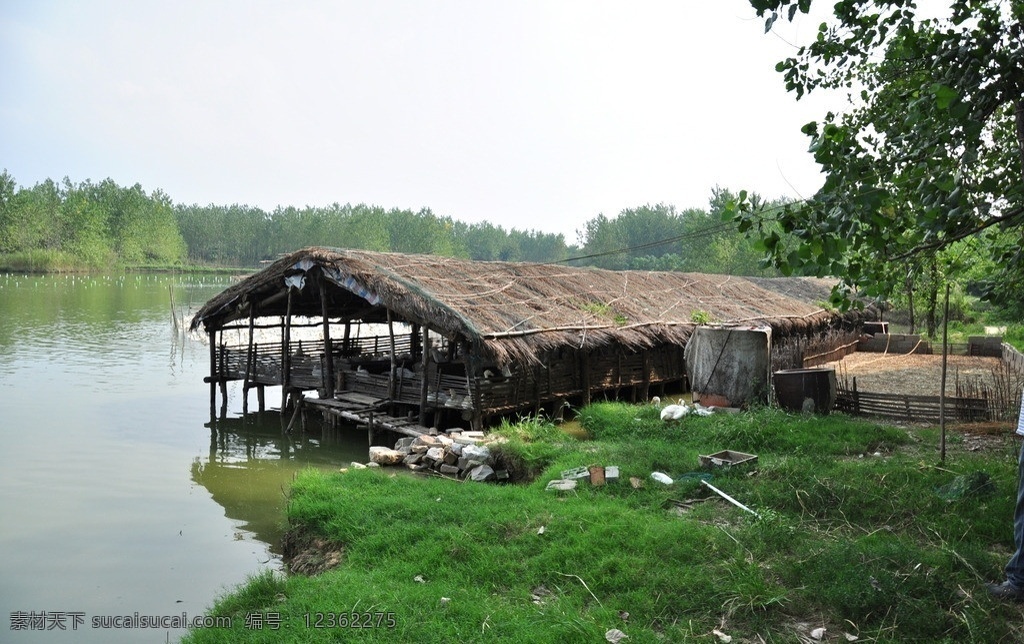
513 312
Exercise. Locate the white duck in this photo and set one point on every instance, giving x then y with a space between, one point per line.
674 412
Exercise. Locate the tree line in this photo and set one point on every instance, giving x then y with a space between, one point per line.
102 226
74 226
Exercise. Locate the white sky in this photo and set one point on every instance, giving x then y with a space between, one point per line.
528 114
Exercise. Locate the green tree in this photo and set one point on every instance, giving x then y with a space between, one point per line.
930 152
85 224
365 227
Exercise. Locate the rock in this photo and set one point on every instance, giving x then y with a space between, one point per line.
615 636
611 473
456 448
423 442
357 466
450 470
385 456
476 453
561 484
576 473
450 458
481 473
404 444
466 440
435 454
413 459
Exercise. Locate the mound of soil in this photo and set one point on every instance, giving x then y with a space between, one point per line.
308 554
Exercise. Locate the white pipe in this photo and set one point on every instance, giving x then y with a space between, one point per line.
729 498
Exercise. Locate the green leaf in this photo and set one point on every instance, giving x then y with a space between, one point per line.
944 96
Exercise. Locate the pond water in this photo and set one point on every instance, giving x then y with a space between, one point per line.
119 495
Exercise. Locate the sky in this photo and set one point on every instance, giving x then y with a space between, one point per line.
532 114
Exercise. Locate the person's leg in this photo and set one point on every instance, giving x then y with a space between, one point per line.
1013 587
1015 567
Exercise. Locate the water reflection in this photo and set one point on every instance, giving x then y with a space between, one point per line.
251 462
115 495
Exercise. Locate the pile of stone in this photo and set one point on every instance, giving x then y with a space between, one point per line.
457 453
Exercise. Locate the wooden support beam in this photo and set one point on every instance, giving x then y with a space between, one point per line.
425 380
222 370
286 366
248 362
327 377
585 369
391 376
536 391
645 389
212 335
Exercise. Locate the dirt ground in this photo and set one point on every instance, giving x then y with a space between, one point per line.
921 374
915 374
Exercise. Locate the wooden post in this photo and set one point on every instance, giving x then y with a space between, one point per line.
426 370
942 390
536 391
346 342
414 342
213 374
391 376
260 398
286 366
585 368
222 370
327 379
645 389
618 373
248 361
473 389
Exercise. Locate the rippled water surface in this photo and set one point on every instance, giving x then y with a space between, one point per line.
118 493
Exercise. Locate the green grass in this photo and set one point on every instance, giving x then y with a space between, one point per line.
853 534
42 261
1015 335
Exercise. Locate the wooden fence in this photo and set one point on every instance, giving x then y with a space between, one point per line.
913 408
998 401
1013 357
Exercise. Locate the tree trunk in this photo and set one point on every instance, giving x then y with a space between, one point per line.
910 300
933 297
1019 118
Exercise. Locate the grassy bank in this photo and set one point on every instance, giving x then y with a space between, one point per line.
857 532
43 261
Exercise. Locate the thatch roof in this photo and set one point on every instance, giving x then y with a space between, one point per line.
515 311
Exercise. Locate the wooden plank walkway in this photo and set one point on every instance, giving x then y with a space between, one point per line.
362 409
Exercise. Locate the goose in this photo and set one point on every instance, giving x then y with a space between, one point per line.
701 410
674 412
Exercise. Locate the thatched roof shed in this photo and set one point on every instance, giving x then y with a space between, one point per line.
514 312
